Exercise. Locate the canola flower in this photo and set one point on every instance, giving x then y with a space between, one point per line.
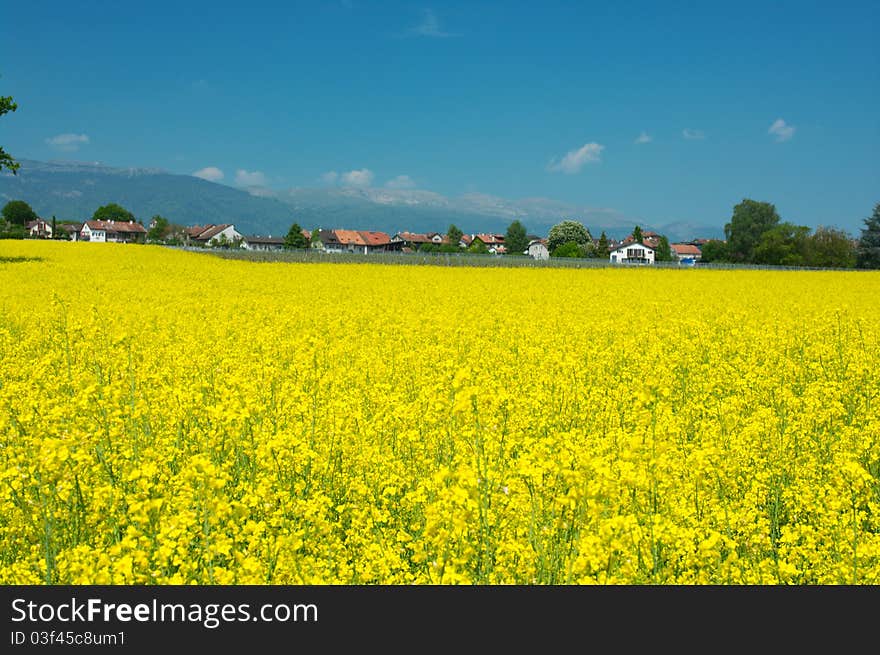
175 418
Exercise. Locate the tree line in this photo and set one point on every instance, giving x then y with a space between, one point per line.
756 234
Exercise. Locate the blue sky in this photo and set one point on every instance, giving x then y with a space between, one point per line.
662 111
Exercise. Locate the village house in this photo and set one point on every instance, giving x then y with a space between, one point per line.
113 232
39 229
258 243
70 231
359 241
633 252
494 242
538 249
213 235
685 253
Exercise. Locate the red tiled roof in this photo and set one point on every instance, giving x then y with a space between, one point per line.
116 226
490 239
413 237
685 249
349 237
375 238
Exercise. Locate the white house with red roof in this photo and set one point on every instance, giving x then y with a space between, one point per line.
113 232
685 252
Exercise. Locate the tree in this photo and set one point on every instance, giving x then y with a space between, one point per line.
830 248
295 238
160 229
18 212
713 250
566 231
454 235
749 221
54 227
868 250
569 249
515 240
315 239
6 160
663 253
602 249
637 234
782 245
478 247
112 212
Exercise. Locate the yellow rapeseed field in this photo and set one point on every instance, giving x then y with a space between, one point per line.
171 418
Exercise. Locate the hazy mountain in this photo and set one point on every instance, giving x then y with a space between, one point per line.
73 190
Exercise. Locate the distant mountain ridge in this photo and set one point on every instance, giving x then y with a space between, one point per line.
73 190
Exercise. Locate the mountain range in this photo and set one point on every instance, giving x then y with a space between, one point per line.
74 190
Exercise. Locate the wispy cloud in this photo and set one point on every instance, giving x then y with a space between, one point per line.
210 173
246 178
782 131
401 182
574 160
429 26
330 177
359 178
644 137
68 142
692 134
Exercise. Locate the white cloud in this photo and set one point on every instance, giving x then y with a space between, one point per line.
330 177
68 142
363 177
245 178
575 159
401 182
210 173
430 26
688 133
644 137
782 131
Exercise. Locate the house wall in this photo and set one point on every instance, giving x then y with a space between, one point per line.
620 255
98 236
231 234
539 251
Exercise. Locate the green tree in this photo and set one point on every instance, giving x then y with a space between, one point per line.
830 248
663 253
868 249
566 231
295 238
602 248
713 251
478 247
454 234
54 227
112 212
782 245
743 233
569 249
637 234
516 240
18 212
315 238
161 228
6 160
